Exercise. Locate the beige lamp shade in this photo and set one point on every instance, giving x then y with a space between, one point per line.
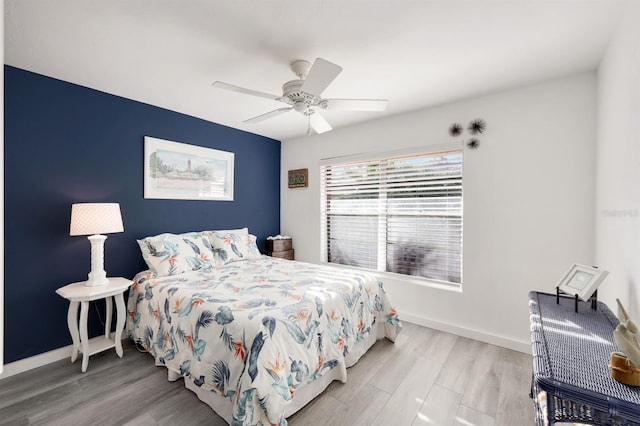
95 218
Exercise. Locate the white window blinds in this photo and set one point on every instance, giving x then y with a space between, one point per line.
400 214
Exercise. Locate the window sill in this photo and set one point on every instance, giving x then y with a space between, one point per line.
419 281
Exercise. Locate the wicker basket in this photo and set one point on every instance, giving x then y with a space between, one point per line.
623 370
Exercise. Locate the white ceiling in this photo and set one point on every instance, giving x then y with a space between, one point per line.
415 53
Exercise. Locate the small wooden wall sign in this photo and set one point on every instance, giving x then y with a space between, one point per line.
298 178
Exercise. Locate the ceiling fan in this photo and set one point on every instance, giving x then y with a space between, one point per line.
304 95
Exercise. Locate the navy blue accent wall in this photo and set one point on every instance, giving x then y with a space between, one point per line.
65 144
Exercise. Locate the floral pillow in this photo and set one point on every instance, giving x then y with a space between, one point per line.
252 247
170 254
233 245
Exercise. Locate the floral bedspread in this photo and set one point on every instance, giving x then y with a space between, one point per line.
255 330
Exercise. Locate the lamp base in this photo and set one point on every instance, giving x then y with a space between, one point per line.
97 276
97 279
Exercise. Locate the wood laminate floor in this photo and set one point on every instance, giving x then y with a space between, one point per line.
427 378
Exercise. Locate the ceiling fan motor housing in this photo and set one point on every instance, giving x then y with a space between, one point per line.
292 94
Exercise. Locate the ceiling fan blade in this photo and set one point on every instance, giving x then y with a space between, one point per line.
233 88
321 74
318 123
262 117
356 104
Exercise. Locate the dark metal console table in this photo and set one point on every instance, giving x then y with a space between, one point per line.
571 353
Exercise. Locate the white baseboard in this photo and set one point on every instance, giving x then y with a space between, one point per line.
36 361
524 347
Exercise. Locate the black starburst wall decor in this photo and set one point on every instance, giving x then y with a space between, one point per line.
477 126
473 143
455 129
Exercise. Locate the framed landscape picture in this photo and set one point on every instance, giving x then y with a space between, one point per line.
582 281
178 171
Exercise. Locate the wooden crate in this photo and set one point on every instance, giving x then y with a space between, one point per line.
278 245
282 248
285 254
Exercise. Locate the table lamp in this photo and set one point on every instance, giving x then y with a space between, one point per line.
94 219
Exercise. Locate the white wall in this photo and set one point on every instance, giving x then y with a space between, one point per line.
618 165
528 201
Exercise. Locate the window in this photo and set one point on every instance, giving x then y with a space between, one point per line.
401 214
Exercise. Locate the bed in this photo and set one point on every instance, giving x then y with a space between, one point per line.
255 337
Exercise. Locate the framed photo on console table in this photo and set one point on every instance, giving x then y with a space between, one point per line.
582 281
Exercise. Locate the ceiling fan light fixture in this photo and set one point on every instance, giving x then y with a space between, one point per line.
301 107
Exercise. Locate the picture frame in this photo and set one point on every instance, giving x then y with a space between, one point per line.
299 178
178 171
582 281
